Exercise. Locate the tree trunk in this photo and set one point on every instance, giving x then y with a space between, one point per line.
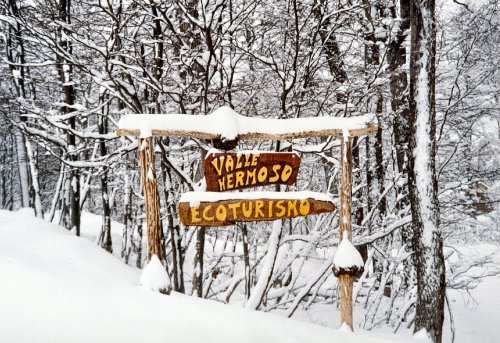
105 238
246 260
398 86
200 246
37 201
15 54
198 262
65 77
427 238
266 273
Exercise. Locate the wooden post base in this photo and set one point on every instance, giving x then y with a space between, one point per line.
151 197
346 285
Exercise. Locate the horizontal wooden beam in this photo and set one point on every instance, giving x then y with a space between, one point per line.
226 125
370 129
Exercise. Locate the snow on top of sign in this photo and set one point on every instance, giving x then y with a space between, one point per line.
251 152
194 198
347 256
228 125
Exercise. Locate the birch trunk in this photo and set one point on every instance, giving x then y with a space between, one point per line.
22 163
37 202
266 272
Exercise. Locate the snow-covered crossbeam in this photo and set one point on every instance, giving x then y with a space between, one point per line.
220 209
226 124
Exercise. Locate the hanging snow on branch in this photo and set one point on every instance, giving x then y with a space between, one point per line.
226 124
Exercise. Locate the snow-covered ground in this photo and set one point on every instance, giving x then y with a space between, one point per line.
476 313
56 287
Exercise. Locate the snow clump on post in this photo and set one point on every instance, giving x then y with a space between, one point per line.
347 259
154 276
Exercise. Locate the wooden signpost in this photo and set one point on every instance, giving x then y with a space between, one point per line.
228 212
226 171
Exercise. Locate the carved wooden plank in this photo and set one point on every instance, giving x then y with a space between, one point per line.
230 211
228 171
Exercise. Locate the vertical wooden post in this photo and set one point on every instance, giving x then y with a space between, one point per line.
345 280
151 197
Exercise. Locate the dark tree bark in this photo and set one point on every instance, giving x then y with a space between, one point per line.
105 237
399 86
330 46
65 74
200 247
427 238
246 260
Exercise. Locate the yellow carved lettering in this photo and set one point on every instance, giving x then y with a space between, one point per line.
280 205
251 174
229 164
239 164
276 175
292 206
195 215
247 160
229 181
233 208
205 214
239 179
221 213
222 184
262 175
217 163
258 209
255 159
304 207
247 211
286 173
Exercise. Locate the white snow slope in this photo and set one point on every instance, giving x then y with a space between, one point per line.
55 287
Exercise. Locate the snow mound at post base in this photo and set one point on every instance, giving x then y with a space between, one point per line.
154 276
56 287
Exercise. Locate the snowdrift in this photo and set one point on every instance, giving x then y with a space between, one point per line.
56 287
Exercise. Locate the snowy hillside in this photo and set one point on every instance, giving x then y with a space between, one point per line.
60 288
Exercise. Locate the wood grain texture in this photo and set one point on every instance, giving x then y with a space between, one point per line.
151 198
346 280
370 129
346 286
228 171
228 212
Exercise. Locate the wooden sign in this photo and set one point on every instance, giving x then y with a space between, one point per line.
228 171
229 211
